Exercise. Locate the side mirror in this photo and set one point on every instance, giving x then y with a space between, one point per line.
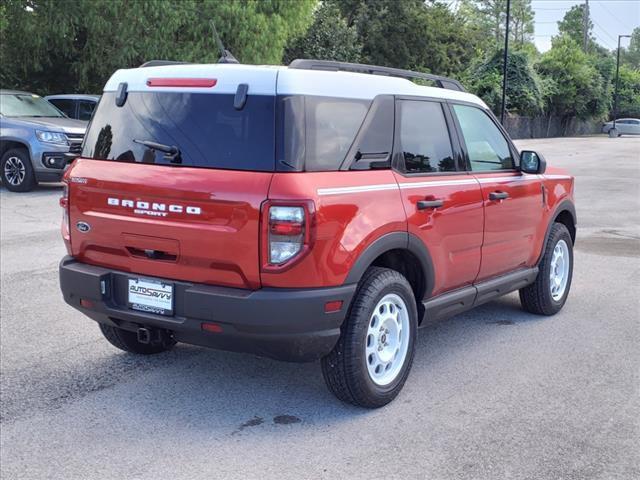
532 162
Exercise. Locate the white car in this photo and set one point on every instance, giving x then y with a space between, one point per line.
625 126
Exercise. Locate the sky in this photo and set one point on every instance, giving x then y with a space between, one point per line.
610 18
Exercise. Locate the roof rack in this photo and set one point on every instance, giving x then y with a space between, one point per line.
160 63
331 66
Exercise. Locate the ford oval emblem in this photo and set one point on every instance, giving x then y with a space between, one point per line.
83 227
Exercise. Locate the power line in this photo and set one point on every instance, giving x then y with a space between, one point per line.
605 31
611 14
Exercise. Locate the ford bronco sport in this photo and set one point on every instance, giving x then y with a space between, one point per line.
317 211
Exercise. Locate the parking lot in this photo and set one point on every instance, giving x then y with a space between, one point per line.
494 393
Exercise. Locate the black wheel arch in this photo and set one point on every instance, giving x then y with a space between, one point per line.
564 213
7 144
397 241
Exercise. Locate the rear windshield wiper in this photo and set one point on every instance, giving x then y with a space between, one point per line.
171 152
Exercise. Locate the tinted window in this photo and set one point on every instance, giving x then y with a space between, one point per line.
424 138
331 126
85 109
65 105
318 131
205 127
486 146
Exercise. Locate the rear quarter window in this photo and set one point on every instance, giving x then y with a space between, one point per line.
318 131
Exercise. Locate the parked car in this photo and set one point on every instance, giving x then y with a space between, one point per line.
317 211
76 106
624 126
34 140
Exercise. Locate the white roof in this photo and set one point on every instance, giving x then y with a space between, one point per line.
271 80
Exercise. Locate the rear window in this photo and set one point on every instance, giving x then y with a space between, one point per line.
206 129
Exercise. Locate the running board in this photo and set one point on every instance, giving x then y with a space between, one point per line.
463 299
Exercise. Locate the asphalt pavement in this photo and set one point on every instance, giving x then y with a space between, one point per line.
494 393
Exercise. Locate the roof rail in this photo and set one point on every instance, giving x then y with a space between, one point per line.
329 65
160 63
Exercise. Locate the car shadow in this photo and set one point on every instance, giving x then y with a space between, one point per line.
227 393
216 391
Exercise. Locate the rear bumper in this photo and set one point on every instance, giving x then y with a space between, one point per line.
285 324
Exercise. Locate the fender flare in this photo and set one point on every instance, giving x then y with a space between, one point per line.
9 139
564 206
395 241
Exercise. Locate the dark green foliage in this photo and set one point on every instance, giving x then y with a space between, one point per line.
409 34
328 38
629 93
524 95
68 45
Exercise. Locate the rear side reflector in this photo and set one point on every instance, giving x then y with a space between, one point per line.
211 327
334 306
86 303
182 82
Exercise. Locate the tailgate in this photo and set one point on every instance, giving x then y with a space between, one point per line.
195 224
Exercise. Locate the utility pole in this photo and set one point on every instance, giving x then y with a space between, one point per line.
504 63
585 26
615 96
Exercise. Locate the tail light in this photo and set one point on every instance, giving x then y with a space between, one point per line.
66 227
287 231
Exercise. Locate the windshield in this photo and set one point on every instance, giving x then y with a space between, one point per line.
26 105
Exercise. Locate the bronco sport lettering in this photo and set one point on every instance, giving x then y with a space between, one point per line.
346 206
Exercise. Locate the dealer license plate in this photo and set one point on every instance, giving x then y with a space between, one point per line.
151 296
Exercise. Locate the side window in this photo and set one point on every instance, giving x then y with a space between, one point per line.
487 148
424 137
68 107
331 126
85 109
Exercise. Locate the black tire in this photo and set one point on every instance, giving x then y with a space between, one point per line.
128 341
345 368
18 157
537 298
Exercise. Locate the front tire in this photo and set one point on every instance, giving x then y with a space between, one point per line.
547 295
372 359
17 171
128 341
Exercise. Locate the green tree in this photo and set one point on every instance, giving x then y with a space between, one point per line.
631 55
488 19
328 38
66 45
524 93
409 34
573 83
629 92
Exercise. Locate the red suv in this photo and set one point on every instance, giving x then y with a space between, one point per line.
317 211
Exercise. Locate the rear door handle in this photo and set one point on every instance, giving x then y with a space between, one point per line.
498 195
424 204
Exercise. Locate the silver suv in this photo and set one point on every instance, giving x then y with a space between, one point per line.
35 140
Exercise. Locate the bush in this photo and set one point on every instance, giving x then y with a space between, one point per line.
524 95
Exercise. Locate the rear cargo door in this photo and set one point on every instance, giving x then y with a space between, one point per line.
170 183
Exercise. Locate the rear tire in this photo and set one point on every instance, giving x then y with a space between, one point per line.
17 171
128 341
372 359
547 295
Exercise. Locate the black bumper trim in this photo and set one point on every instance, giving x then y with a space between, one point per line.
285 324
